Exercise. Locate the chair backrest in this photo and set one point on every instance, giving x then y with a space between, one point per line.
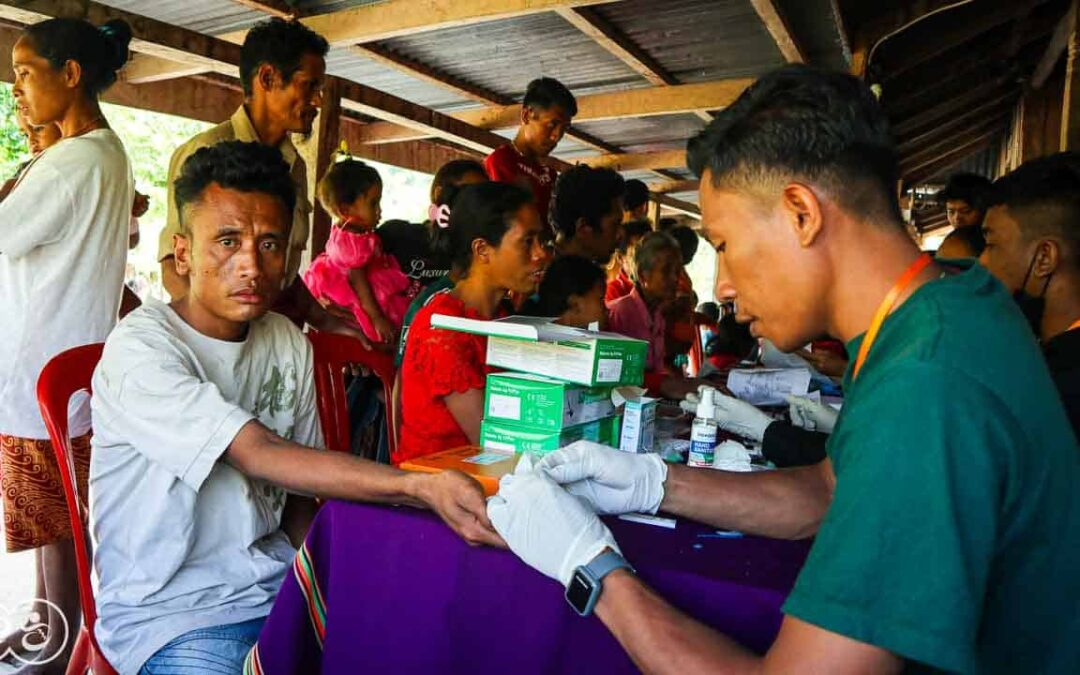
332 354
65 374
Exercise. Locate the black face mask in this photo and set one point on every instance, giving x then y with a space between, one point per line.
1032 307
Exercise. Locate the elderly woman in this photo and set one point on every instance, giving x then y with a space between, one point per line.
63 242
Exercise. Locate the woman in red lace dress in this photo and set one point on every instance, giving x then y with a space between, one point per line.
495 238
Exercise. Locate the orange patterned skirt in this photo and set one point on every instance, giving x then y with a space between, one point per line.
35 512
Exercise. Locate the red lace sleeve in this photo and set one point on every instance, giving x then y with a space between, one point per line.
448 362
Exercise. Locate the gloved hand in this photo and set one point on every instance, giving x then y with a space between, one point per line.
547 527
610 480
733 415
811 415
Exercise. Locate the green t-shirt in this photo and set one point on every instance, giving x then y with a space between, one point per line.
441 284
953 538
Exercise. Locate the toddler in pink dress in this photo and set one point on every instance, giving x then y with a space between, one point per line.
353 271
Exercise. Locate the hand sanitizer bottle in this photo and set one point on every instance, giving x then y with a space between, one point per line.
703 431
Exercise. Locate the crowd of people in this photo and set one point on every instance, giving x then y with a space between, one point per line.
943 498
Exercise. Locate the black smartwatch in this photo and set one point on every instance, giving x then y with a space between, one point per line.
583 592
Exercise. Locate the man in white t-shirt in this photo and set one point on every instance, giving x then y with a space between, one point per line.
204 427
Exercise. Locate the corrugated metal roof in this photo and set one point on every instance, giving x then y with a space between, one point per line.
697 40
205 16
352 66
504 56
644 134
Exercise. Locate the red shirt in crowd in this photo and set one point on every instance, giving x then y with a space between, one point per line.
438 362
618 287
507 165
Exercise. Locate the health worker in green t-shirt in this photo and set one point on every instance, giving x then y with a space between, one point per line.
947 514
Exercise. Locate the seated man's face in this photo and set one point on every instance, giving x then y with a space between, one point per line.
234 255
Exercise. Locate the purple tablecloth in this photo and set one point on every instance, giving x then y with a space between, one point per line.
396 591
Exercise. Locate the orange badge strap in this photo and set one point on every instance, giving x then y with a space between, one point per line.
886 307
1074 326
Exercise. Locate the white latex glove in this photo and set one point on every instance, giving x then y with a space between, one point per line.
547 527
610 480
734 416
811 415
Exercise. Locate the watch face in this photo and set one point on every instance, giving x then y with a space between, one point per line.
578 592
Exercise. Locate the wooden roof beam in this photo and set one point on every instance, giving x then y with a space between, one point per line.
615 42
931 116
773 18
278 8
930 168
156 38
635 161
400 18
674 186
962 34
465 89
642 102
934 150
1055 48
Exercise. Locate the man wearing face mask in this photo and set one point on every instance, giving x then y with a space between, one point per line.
1033 247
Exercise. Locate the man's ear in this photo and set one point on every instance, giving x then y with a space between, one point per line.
803 209
265 76
526 114
1047 258
582 224
182 254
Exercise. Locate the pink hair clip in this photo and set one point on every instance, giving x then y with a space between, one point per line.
440 215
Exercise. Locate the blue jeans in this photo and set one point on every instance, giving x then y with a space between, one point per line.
216 650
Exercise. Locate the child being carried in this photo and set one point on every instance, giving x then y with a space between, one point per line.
353 271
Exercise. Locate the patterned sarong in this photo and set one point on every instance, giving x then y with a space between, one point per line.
35 512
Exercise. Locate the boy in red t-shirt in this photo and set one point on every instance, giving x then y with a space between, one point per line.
546 113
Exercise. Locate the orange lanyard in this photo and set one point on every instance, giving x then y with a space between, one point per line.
886 307
1074 326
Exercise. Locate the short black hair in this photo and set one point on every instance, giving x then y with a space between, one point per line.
567 276
450 173
688 242
967 187
345 182
583 192
637 194
804 123
545 93
710 310
667 223
1043 196
972 237
635 229
280 43
234 165
99 51
482 211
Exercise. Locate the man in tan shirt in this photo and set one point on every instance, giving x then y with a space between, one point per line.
282 69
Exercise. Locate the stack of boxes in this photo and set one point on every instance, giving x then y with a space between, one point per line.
559 387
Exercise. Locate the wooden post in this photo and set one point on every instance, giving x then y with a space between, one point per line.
327 142
1070 112
654 212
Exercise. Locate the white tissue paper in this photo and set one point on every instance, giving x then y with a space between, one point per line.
732 456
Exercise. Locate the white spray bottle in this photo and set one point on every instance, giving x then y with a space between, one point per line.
703 432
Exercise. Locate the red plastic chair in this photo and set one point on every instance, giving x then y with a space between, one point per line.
332 354
63 376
